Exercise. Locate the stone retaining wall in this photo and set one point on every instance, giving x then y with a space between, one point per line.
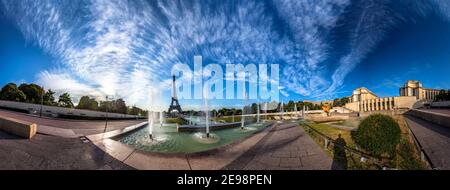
17 127
54 111
437 118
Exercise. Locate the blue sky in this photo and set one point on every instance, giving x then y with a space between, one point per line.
325 48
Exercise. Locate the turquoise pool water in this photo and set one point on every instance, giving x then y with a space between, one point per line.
167 139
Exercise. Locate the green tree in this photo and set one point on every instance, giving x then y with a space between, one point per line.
87 103
105 106
34 93
378 134
135 111
93 104
290 106
300 105
115 106
339 102
49 98
254 108
443 96
65 100
120 106
12 93
214 112
84 102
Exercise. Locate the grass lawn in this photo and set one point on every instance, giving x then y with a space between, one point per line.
406 156
349 123
353 162
177 120
227 119
333 132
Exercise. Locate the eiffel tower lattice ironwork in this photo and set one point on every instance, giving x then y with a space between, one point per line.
174 105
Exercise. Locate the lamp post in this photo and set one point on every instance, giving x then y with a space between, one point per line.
42 102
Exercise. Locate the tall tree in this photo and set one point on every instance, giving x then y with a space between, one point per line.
12 93
49 98
135 110
93 104
254 108
34 93
120 106
290 106
84 103
105 106
65 100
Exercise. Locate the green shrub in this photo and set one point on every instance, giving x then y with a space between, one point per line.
177 120
407 157
378 134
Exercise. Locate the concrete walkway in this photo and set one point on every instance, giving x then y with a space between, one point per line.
45 152
210 160
286 147
434 139
69 128
279 147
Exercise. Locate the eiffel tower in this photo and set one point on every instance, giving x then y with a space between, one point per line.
174 106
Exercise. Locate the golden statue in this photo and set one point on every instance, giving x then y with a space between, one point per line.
326 108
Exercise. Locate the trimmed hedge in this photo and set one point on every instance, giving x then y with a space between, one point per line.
177 120
378 134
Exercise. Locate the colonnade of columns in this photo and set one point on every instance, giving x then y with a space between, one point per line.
387 103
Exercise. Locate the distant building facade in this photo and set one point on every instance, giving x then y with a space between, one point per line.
362 94
363 100
414 88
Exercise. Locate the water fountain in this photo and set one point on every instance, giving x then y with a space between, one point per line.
257 113
242 119
265 110
206 112
303 112
170 139
161 118
243 111
295 110
150 128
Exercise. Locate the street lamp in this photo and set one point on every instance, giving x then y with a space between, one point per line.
42 102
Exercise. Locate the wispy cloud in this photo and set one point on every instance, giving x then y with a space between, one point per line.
127 48
374 19
310 23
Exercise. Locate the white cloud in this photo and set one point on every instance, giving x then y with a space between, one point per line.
127 48
310 23
63 82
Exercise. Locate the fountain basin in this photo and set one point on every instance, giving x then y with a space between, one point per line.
167 139
212 127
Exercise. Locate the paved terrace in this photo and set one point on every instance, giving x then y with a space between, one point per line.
435 139
439 111
69 128
45 152
283 146
280 147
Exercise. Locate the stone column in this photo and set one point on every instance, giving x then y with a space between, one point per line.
388 103
375 105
